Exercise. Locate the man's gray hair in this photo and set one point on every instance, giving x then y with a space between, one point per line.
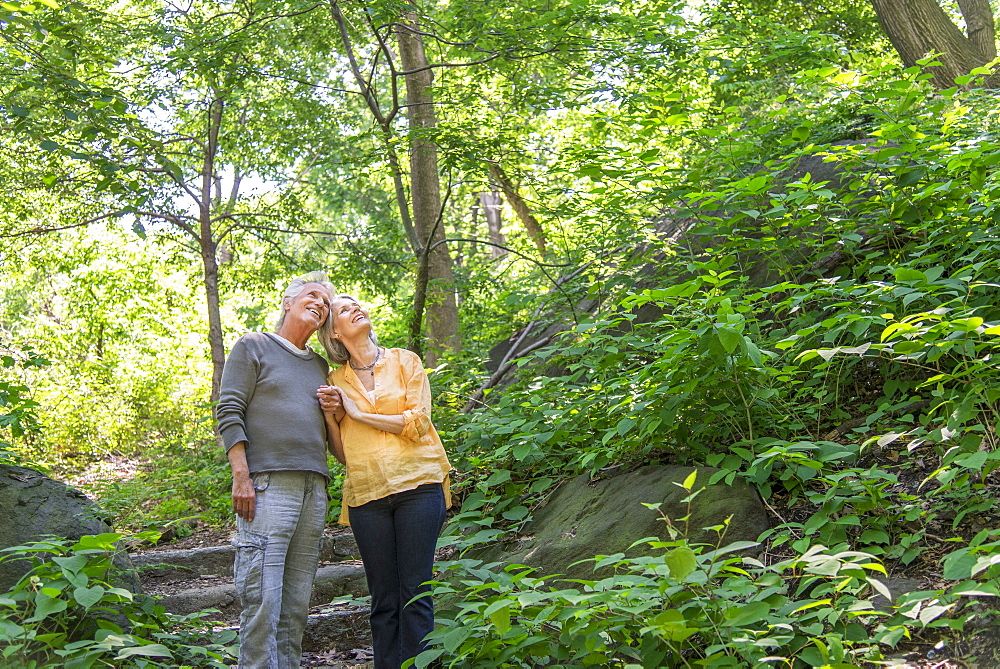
295 287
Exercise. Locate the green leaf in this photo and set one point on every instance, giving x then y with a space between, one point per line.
104 541
672 624
517 513
500 615
87 597
729 338
825 568
498 477
973 461
71 564
150 650
754 612
753 353
757 184
930 613
47 606
455 636
624 425
681 561
909 274
911 177
958 566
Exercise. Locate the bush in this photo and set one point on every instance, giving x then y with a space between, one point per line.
66 612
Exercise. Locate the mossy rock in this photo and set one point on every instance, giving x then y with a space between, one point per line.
34 506
586 517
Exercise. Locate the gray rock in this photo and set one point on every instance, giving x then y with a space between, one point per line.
32 505
191 600
218 560
338 580
897 587
185 563
333 629
585 518
340 630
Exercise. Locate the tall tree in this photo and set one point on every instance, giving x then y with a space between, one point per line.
518 204
425 190
217 109
418 192
918 28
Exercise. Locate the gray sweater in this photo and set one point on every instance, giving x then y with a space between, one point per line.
268 399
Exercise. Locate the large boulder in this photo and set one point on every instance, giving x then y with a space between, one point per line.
586 517
32 505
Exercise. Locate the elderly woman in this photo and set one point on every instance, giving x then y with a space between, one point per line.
275 436
395 490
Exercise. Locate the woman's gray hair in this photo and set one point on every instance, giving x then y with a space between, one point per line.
296 286
336 352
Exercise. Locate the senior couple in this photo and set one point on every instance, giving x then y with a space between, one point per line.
279 411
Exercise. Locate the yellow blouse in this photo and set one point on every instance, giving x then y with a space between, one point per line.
381 463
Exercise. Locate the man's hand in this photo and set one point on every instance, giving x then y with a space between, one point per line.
244 497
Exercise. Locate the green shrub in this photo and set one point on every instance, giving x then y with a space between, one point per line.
67 612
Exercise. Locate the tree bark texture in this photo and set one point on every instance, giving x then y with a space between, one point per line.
980 25
519 206
207 243
425 194
490 203
919 27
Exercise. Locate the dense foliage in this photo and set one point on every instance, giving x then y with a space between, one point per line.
67 611
758 245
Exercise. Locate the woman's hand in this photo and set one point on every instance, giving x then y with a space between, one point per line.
350 406
331 401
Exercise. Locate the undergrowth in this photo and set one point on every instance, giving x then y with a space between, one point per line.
835 348
72 609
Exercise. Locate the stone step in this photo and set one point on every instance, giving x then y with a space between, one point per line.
218 560
339 580
333 628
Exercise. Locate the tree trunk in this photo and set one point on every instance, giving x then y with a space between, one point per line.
207 243
490 203
979 24
416 341
919 27
214 319
519 206
425 193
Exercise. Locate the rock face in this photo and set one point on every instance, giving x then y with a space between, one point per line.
585 518
32 505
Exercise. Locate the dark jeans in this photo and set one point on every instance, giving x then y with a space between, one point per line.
397 536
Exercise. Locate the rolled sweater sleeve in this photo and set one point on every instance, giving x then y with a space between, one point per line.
417 414
239 378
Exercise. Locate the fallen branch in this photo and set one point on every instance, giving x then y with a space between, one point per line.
846 427
477 397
